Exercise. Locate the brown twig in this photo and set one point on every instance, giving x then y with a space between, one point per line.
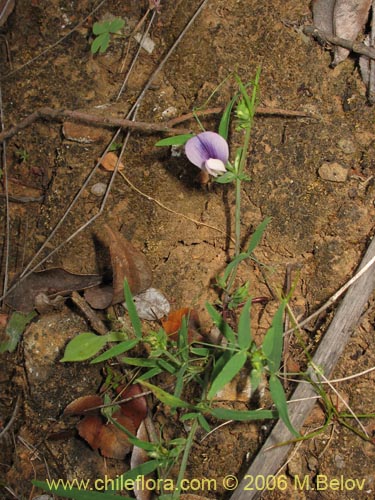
260 111
323 37
96 323
92 119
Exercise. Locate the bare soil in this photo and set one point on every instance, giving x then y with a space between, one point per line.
320 226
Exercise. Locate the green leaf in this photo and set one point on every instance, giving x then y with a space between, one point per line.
100 28
278 397
225 178
224 328
116 25
165 397
257 235
176 140
14 329
77 494
225 119
147 362
243 416
141 470
203 423
273 341
116 350
228 372
84 346
97 44
134 318
150 373
105 38
244 329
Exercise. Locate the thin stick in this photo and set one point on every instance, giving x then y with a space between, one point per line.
12 418
6 192
89 118
357 47
259 111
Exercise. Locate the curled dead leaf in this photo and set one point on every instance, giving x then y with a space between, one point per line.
136 409
82 405
109 161
127 262
51 282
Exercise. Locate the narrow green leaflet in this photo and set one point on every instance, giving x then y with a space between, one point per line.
134 318
243 416
225 119
229 371
225 178
244 329
254 242
257 235
273 340
176 140
165 397
224 328
78 494
84 346
278 397
141 470
116 350
14 330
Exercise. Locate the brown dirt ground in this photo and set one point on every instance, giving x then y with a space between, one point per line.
320 226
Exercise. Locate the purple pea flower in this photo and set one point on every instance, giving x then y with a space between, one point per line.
208 151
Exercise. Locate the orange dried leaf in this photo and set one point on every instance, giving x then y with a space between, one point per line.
174 321
82 405
109 162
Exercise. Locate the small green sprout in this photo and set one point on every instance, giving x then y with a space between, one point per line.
22 155
103 32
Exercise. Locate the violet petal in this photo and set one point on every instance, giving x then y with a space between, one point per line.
205 146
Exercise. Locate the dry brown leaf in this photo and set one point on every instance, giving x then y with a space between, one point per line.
89 429
112 441
99 297
127 262
82 405
52 282
136 409
108 162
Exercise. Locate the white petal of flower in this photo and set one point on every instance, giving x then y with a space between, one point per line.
214 167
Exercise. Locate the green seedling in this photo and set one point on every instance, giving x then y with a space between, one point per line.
103 32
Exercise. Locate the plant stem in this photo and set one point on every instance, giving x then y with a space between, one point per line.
239 172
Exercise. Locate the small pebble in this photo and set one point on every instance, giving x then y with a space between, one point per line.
347 146
333 172
99 189
170 112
